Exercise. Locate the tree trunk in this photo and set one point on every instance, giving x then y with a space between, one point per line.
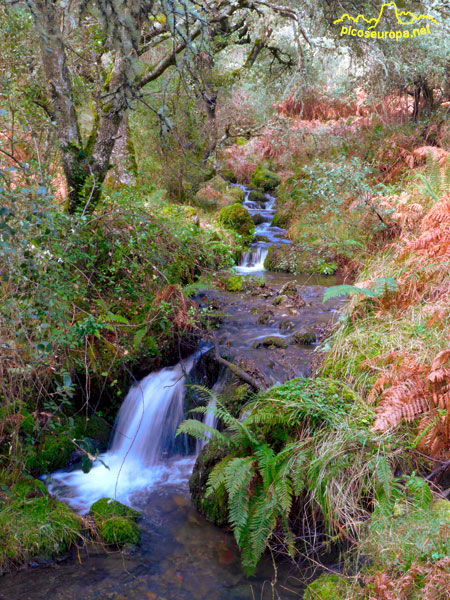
123 159
85 165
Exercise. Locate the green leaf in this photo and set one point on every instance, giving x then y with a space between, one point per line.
118 318
138 337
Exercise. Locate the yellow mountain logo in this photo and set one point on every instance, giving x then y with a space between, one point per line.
421 24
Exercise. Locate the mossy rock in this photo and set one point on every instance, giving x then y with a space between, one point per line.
106 508
218 193
213 507
270 341
257 196
98 429
52 453
265 179
294 258
237 218
305 337
119 531
279 258
228 175
33 524
266 317
329 586
235 283
280 220
116 523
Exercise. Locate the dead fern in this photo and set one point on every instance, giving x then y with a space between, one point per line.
172 303
407 390
430 580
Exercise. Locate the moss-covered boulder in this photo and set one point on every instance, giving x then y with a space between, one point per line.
235 283
257 196
212 507
116 523
217 193
33 524
294 258
330 586
305 337
265 179
237 218
270 341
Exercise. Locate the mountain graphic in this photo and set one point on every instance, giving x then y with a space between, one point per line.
374 22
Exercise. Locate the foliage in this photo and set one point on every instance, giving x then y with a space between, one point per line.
33 524
300 460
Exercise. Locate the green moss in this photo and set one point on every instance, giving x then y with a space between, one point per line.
34 524
213 507
107 508
119 531
234 283
116 523
237 218
217 193
330 586
265 179
52 453
257 196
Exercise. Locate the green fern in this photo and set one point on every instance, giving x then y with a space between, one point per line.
436 181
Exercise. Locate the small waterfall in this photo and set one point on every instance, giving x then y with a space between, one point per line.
262 213
253 260
144 442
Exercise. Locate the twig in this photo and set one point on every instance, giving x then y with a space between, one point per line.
234 368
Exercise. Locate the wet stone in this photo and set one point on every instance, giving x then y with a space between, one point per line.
266 318
305 337
270 341
286 325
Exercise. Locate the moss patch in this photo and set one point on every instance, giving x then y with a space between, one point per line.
214 508
52 453
237 218
329 587
116 523
34 524
265 179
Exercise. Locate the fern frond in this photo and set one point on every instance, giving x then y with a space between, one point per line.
200 431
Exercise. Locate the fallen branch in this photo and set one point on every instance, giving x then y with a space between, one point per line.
234 368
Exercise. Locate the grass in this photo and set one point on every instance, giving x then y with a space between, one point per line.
33 524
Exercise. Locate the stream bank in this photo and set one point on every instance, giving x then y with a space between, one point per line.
275 327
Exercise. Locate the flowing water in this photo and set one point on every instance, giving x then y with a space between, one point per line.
182 556
262 213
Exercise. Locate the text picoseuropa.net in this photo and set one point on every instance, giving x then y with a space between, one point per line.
384 35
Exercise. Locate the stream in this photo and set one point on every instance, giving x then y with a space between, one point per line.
182 556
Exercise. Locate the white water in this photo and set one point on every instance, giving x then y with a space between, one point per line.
253 260
143 442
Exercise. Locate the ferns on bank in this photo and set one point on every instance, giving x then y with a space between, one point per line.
302 455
